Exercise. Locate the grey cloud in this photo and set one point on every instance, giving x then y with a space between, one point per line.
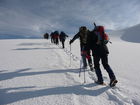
38 16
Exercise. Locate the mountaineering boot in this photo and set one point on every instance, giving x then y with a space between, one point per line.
113 82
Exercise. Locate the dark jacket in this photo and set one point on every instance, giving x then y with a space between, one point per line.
97 49
62 36
82 37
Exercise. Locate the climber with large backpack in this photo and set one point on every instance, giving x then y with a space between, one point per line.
98 44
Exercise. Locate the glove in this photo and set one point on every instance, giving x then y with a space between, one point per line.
70 41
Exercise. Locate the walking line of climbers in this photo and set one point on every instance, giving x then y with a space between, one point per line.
95 42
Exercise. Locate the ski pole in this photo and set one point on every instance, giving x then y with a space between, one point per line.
95 25
84 75
84 69
81 62
70 55
80 67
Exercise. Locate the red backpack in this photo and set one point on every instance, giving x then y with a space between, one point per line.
102 36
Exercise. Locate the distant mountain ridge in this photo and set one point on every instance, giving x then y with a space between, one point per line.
131 34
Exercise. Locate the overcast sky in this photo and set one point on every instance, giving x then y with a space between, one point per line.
35 17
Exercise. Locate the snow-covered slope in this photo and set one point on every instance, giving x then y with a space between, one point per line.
36 72
131 34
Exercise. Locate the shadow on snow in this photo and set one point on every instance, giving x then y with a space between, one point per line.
35 48
21 72
7 98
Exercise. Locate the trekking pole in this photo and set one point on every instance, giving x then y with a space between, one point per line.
80 67
84 75
81 62
95 25
70 55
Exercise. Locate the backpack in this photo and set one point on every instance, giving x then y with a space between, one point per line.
102 36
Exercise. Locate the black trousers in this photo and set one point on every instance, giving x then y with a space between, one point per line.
63 43
106 66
